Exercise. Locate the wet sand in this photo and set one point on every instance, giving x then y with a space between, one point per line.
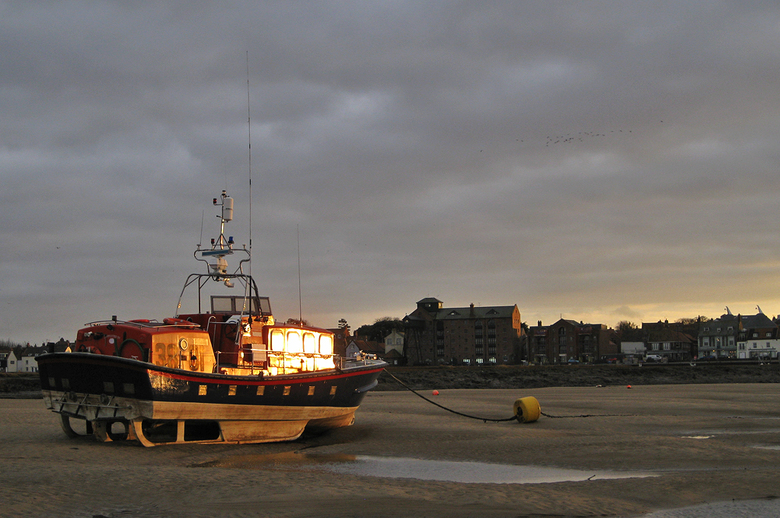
705 443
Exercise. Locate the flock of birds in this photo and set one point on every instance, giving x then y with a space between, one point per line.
567 138
581 136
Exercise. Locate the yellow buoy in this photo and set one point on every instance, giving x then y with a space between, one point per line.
527 409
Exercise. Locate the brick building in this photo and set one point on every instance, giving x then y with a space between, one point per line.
569 340
469 335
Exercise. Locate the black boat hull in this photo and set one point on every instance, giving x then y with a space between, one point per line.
185 406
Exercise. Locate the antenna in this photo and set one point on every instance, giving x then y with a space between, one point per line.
200 241
249 136
300 303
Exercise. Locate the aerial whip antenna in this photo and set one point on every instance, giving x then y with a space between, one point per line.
200 241
300 303
249 136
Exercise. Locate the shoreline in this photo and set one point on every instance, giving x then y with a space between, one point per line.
541 376
24 385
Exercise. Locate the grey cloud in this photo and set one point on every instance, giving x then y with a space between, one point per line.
601 158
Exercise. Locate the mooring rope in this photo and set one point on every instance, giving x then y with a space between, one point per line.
486 419
483 419
586 415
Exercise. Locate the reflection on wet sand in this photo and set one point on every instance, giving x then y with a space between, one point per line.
400 467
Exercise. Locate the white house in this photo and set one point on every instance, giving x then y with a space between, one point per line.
26 361
394 342
759 347
12 362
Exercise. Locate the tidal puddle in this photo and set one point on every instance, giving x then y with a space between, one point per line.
468 472
438 470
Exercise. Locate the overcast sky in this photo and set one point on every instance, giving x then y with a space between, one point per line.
600 161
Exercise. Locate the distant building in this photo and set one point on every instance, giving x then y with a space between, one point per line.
718 338
570 340
759 343
11 362
356 346
469 335
669 341
537 343
26 360
340 338
394 348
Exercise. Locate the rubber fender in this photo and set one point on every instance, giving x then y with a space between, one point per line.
527 409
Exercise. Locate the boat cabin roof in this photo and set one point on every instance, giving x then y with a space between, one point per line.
235 304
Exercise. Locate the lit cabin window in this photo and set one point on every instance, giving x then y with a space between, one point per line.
277 340
294 342
309 343
326 345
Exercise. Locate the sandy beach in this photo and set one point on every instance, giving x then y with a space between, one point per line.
668 446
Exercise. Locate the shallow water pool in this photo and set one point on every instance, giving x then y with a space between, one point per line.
420 469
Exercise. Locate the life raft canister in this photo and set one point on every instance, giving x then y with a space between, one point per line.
179 322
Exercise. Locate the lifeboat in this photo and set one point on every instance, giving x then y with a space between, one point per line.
222 371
